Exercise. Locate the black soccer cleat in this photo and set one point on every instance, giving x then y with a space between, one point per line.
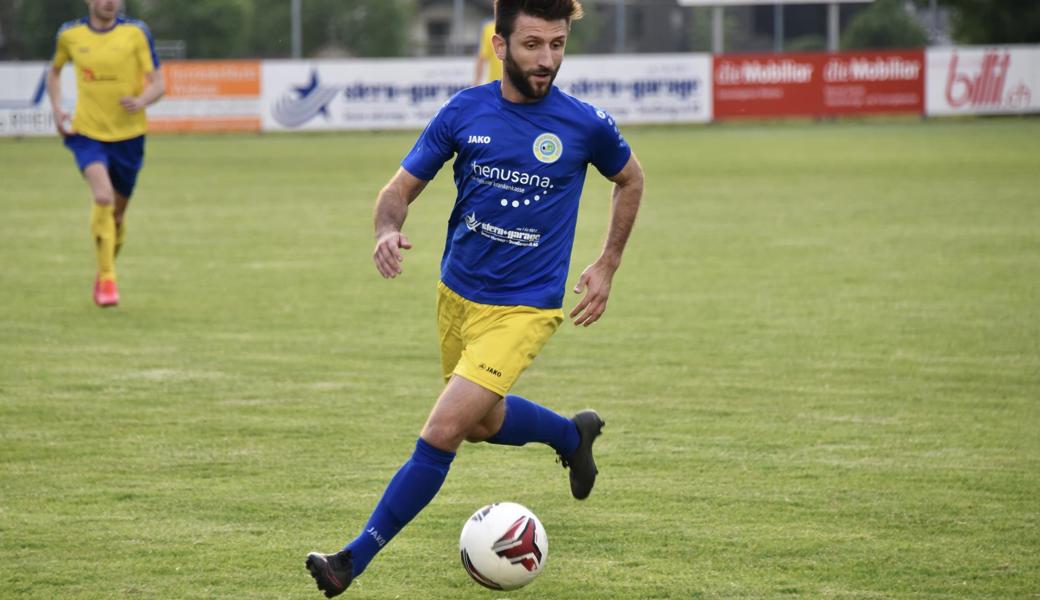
581 464
332 572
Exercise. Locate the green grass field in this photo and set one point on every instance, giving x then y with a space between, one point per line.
820 372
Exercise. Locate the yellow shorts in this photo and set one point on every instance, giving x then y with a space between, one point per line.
488 344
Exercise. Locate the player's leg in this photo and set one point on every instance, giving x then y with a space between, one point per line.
92 160
125 161
120 219
512 337
103 229
523 421
460 407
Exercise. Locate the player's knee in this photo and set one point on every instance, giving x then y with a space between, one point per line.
444 436
478 433
104 198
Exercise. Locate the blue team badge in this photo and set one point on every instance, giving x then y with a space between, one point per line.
548 148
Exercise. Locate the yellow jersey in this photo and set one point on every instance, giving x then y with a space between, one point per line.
110 65
487 52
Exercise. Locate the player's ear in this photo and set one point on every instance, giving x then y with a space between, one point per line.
499 43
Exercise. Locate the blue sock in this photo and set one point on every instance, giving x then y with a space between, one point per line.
528 422
410 490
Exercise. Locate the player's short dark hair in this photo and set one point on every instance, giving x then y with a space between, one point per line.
506 12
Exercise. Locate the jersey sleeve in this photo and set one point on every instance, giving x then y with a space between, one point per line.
610 151
146 55
61 50
434 147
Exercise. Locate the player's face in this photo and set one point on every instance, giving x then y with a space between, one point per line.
105 9
533 54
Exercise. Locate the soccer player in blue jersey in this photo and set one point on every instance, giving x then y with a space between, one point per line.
522 147
117 76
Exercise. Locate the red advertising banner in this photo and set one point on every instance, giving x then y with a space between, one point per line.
819 84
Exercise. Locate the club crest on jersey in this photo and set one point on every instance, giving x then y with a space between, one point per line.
548 148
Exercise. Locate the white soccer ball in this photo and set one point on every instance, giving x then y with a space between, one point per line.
503 546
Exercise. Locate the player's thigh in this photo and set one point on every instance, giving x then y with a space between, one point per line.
96 174
92 160
502 341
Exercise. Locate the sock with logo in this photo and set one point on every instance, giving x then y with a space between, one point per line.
409 491
103 227
526 421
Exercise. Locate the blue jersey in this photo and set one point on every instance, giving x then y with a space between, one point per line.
519 172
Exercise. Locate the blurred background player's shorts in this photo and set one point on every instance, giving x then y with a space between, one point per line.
123 158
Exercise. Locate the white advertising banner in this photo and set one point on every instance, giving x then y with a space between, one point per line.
25 109
645 88
405 94
358 94
979 81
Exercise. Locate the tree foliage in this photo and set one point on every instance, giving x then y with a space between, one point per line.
224 28
210 29
358 28
733 35
28 27
995 21
584 32
885 24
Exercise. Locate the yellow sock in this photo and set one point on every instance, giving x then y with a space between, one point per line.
103 227
120 236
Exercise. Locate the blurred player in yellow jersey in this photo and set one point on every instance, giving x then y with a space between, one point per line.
117 76
489 65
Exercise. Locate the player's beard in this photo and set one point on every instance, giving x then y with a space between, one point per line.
520 80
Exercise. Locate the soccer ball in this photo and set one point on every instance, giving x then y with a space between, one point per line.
503 546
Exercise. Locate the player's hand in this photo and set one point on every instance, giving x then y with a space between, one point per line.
595 281
388 256
132 104
63 123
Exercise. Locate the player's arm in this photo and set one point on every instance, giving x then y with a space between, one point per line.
61 118
596 279
154 88
61 56
390 213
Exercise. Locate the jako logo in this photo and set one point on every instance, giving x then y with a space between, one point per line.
986 87
479 139
376 536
